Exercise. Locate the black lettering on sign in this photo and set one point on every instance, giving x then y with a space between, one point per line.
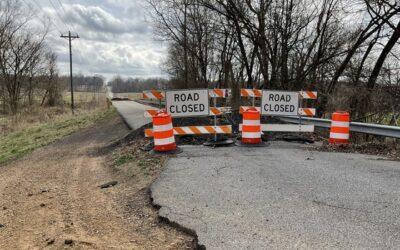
271 97
279 98
189 97
196 96
176 97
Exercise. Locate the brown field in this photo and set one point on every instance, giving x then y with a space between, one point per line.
37 126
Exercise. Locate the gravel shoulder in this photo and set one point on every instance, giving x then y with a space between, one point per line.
51 198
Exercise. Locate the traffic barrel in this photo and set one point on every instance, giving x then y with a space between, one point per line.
340 128
163 132
251 128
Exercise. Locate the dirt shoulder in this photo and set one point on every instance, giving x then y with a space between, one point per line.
52 199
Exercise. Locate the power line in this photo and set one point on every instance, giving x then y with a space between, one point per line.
58 14
77 51
40 19
62 7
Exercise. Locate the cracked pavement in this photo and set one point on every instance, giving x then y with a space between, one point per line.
282 196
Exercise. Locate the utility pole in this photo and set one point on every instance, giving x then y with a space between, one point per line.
70 38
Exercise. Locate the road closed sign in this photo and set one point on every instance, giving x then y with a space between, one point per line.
279 103
184 103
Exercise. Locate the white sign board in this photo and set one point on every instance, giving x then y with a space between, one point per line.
279 103
184 103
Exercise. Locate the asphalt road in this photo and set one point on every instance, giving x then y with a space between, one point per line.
282 196
132 112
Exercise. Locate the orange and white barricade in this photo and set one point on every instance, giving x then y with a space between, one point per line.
251 127
163 133
219 111
215 93
251 93
196 130
307 112
340 128
309 95
244 108
153 94
257 93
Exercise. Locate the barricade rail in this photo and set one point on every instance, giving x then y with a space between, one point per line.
366 128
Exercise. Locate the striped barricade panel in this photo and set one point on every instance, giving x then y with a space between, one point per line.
197 130
153 94
309 94
307 111
220 110
215 93
243 108
251 93
150 113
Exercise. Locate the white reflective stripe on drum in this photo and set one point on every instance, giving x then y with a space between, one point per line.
162 128
162 142
251 122
339 136
251 135
340 124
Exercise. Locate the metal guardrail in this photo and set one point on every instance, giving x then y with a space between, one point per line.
366 128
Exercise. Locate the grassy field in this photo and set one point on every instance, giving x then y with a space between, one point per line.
38 126
24 141
84 97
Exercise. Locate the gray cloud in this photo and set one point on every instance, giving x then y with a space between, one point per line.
114 39
97 19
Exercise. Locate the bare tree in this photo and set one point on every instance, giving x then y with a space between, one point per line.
20 53
52 87
279 44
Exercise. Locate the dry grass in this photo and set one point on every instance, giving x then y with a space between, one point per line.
85 103
38 126
23 141
84 97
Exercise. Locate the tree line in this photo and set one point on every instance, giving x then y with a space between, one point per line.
26 63
125 85
283 44
28 67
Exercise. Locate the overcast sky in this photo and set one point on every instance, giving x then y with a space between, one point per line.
116 37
